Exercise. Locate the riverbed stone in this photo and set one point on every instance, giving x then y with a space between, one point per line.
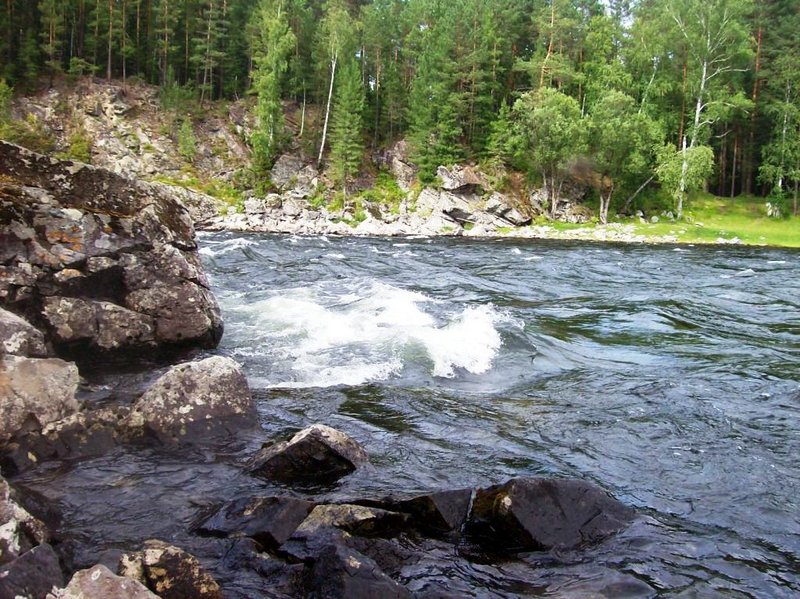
98 582
339 572
194 400
437 513
169 572
268 520
539 514
32 575
34 392
20 338
317 454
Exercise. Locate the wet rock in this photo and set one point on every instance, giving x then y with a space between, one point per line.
268 520
169 572
20 338
340 572
459 178
498 205
355 519
99 582
34 392
103 265
194 400
32 575
437 513
19 530
534 514
83 434
318 454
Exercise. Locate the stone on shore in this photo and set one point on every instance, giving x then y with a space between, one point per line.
19 530
20 338
98 582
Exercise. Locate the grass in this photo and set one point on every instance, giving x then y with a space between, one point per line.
709 219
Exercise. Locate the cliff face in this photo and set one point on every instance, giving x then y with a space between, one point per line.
106 266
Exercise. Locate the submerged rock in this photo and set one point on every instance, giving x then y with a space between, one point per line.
534 514
437 513
169 572
34 392
99 582
20 338
317 454
194 400
105 266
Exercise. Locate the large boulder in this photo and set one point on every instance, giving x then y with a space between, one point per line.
34 392
169 572
194 400
535 514
19 337
317 454
98 582
459 178
105 266
499 206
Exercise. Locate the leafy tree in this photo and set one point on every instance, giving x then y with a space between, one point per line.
684 170
552 134
622 142
347 146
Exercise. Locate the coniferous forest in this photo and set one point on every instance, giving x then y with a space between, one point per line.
688 93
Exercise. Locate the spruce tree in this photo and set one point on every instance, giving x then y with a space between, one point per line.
347 144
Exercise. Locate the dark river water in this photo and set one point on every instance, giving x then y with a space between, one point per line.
669 376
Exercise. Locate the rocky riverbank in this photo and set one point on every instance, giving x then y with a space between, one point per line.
98 270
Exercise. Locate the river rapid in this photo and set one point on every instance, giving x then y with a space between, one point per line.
668 375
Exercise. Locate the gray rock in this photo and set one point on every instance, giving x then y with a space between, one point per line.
285 170
534 514
32 575
19 530
357 520
317 454
202 207
499 205
98 582
437 513
459 178
20 338
194 400
169 572
34 392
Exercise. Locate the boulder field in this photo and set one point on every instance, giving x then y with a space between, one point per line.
96 271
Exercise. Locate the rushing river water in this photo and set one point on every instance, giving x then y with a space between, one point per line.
668 375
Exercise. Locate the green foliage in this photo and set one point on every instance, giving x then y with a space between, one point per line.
79 146
683 171
6 93
384 192
347 146
187 144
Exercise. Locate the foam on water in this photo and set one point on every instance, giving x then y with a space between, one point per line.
225 247
322 336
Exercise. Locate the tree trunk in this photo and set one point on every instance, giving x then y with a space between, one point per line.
733 165
327 111
110 36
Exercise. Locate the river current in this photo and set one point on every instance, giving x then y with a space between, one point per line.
668 375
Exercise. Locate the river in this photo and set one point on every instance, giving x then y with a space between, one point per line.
668 375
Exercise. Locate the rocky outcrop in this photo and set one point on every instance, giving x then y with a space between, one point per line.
318 454
34 392
460 178
169 572
19 530
98 582
103 265
32 575
20 338
535 514
195 400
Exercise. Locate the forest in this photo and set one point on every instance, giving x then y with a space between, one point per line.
690 94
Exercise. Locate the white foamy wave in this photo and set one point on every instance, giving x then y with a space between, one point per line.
227 246
322 337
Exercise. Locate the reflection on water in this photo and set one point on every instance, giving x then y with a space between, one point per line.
668 377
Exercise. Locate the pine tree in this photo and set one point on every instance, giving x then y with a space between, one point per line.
347 145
